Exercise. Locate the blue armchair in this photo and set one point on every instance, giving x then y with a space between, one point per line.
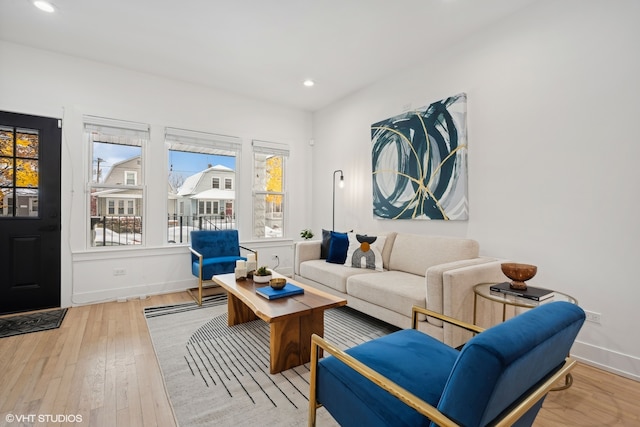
214 252
407 378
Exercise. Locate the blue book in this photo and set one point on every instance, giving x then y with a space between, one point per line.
288 290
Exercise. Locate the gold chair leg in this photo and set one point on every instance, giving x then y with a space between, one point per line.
568 381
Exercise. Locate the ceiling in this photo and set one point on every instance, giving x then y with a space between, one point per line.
263 49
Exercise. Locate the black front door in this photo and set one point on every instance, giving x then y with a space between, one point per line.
29 212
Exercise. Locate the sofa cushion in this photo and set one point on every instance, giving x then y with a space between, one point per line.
331 275
365 251
213 266
338 246
394 290
414 253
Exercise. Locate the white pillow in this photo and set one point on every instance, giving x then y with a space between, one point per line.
365 251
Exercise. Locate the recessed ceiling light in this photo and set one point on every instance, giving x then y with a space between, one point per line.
45 6
308 83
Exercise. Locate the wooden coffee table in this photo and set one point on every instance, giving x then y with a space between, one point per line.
292 320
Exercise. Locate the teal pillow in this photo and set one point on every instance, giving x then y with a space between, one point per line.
338 246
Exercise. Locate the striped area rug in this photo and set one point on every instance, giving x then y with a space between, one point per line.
219 375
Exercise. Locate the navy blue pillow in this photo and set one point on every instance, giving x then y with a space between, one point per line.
338 246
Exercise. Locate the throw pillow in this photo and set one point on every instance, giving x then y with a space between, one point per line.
338 245
365 251
324 246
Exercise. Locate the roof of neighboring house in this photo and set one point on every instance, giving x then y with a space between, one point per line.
215 194
116 165
191 183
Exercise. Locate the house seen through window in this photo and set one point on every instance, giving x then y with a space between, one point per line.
198 164
116 186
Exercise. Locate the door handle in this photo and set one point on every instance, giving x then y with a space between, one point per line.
52 227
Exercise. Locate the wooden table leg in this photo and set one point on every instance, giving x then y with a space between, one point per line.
284 352
290 340
237 311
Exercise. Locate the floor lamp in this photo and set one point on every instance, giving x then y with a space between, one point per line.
333 228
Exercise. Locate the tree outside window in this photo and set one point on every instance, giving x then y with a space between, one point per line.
269 194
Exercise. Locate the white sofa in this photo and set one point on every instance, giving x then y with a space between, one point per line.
437 273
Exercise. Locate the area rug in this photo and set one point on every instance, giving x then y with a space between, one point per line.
219 375
32 322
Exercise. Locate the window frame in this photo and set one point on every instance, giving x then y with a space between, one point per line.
134 174
203 143
125 133
258 224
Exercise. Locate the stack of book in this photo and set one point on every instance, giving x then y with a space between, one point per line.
532 293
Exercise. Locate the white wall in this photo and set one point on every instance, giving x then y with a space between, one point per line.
553 102
44 83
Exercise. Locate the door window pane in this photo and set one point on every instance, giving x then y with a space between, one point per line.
27 143
19 172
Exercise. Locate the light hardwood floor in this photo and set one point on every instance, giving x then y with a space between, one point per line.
100 365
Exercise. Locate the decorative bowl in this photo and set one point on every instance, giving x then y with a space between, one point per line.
278 283
519 274
261 279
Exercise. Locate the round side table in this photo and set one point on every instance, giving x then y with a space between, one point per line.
483 290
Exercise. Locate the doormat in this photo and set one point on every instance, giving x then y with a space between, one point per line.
32 322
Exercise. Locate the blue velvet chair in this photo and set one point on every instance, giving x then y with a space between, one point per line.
214 252
407 378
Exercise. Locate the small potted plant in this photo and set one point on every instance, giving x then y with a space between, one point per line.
262 275
306 234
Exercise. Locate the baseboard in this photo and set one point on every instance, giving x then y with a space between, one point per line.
611 361
129 292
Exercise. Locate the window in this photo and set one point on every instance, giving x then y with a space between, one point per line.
269 189
228 184
116 186
19 172
130 178
198 164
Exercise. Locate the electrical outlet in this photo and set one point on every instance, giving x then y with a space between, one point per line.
592 317
119 271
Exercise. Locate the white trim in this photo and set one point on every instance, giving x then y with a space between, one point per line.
188 140
266 147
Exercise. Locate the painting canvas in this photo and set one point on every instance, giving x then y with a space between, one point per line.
419 161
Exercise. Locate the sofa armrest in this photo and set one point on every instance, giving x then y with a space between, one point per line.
458 296
305 251
434 283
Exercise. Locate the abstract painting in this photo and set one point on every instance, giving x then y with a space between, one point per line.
419 161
